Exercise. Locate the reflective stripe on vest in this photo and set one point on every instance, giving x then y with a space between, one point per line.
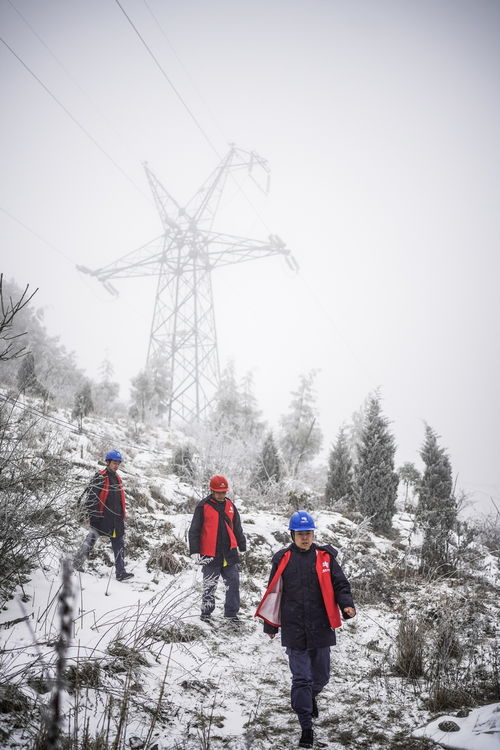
103 495
208 536
269 608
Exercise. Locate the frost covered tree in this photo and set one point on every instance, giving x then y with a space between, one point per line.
150 391
141 396
57 374
83 404
376 480
106 391
26 375
437 507
339 489
251 423
301 436
10 346
269 467
235 411
409 475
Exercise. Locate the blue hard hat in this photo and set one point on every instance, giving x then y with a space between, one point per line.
114 456
301 521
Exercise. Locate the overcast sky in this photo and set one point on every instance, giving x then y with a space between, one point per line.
380 122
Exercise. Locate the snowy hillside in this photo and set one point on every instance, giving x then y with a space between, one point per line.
144 672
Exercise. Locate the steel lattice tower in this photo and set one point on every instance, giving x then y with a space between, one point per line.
183 339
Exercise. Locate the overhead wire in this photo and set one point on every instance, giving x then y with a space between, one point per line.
64 68
117 166
68 425
185 104
169 81
75 120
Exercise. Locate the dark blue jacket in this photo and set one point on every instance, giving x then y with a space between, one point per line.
304 621
223 551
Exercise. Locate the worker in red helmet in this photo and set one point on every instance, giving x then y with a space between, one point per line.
215 535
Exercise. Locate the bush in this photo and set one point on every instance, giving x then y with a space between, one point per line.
34 500
409 648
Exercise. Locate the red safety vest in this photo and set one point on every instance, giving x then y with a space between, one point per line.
208 536
103 495
270 607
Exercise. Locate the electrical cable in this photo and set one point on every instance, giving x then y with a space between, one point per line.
169 81
66 71
186 106
75 121
69 426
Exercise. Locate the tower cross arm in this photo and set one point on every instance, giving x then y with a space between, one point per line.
225 250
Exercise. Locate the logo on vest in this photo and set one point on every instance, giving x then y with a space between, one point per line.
326 567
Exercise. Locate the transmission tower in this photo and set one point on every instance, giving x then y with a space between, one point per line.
183 341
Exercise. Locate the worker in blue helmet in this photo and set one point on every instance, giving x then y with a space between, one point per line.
306 597
105 504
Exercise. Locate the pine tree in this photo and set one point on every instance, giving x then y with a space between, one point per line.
235 412
83 404
141 396
105 392
376 480
26 375
300 433
226 412
437 508
410 476
269 467
339 482
251 424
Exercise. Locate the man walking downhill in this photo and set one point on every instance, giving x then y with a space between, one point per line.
305 591
215 535
105 505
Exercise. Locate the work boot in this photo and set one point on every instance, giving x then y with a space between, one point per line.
315 712
124 576
306 738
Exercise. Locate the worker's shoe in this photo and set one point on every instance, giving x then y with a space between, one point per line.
124 576
306 738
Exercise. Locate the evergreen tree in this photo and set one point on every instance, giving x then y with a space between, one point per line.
437 508
150 392
339 489
83 404
269 466
300 433
57 375
106 391
376 480
227 403
410 476
250 413
141 396
235 412
26 375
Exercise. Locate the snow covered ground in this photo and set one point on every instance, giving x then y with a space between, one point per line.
139 649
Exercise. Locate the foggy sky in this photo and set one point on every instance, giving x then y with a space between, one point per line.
380 122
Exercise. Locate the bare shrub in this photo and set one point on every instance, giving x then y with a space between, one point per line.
163 557
409 648
34 495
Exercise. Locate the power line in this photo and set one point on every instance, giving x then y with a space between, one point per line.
69 426
169 81
75 121
66 71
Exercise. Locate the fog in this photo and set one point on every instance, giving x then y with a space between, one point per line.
380 123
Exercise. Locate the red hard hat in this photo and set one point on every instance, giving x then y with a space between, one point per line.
219 484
